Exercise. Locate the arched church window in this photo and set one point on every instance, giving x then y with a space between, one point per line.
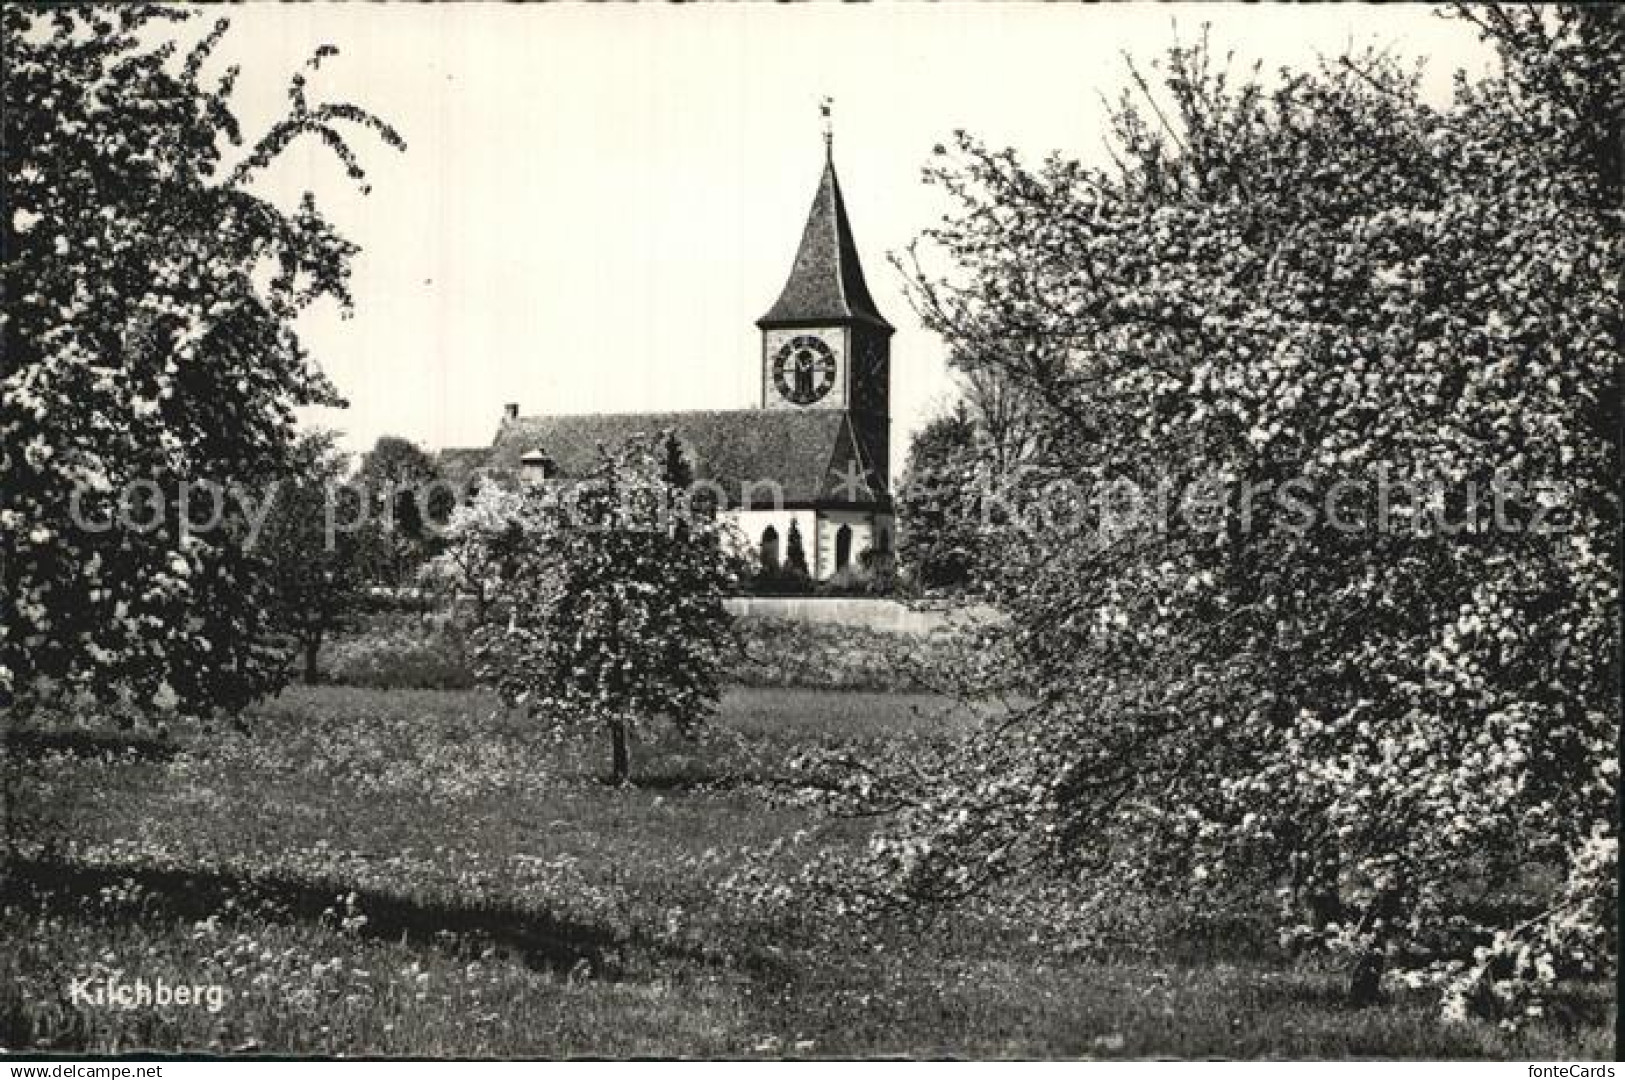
770 548
843 547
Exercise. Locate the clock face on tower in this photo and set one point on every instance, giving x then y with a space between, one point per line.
803 369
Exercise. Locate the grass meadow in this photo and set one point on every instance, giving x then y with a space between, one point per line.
421 873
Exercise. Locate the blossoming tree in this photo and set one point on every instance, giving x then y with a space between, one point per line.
318 563
1278 289
937 519
151 365
478 533
608 611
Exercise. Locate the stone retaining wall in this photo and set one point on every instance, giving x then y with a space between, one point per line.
870 613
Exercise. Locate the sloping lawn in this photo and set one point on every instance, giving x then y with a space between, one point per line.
421 873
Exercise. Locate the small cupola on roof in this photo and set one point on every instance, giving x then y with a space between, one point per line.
826 282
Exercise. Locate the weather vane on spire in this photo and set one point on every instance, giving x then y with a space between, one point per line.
824 107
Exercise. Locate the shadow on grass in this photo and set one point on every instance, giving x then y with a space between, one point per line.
542 941
32 744
1569 1007
678 781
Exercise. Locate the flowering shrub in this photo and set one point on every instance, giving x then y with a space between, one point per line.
785 652
420 653
432 652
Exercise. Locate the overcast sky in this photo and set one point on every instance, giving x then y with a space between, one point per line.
598 202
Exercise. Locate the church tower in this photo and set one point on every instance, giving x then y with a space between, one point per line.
810 461
825 346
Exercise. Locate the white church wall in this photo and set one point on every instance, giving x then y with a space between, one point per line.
862 524
753 523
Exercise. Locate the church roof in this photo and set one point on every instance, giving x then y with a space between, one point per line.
826 281
732 448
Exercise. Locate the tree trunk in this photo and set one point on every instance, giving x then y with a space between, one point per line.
12 715
621 759
8 808
1324 905
1365 981
312 647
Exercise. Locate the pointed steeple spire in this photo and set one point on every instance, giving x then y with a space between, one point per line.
826 281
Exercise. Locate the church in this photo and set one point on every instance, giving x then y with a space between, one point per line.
815 449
